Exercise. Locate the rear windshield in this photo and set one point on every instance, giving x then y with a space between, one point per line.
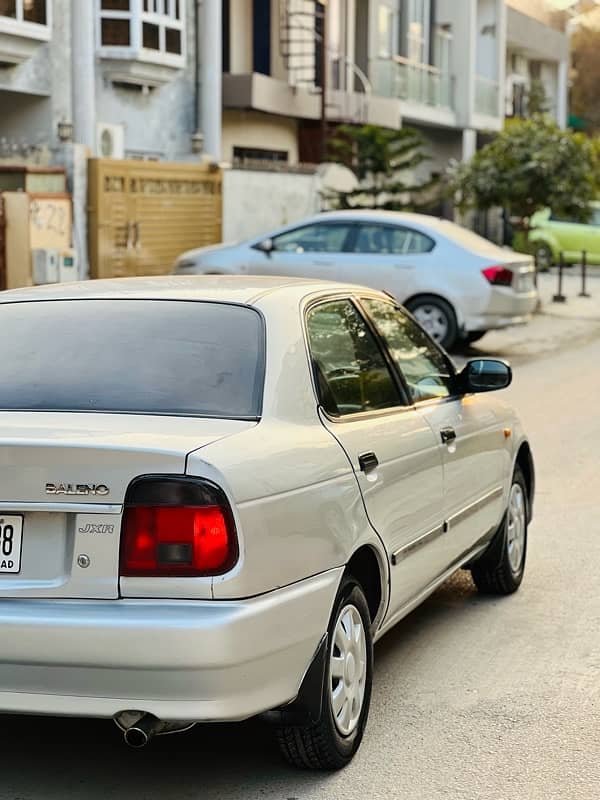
132 356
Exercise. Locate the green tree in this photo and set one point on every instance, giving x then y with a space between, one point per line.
384 162
532 164
537 99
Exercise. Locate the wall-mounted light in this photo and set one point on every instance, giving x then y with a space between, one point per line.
197 140
65 131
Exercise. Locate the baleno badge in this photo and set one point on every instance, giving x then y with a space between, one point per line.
82 489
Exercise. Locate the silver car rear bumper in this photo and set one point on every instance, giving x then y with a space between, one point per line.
506 307
179 660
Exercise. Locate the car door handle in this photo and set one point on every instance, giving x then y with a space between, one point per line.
368 462
448 435
322 263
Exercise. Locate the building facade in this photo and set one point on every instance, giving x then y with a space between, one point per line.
240 81
450 68
126 74
537 52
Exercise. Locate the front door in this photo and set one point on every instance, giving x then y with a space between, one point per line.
391 447
469 430
308 251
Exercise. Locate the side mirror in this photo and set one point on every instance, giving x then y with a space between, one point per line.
266 246
485 375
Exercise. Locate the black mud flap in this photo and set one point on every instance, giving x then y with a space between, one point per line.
307 708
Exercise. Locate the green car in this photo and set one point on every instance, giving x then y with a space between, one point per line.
552 234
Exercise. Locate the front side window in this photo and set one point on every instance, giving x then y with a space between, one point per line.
152 28
132 356
391 240
350 371
35 11
424 367
318 238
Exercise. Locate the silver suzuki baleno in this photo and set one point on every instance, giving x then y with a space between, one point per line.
217 493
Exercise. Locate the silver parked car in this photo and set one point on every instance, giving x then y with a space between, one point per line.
217 493
457 284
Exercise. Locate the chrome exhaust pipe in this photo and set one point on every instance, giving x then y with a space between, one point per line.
142 732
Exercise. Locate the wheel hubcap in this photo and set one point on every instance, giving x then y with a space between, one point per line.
515 540
433 320
348 670
543 258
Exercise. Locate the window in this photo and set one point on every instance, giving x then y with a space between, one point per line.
35 11
153 30
251 155
382 239
132 356
426 370
350 370
322 237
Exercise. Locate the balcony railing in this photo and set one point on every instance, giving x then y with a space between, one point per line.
487 96
409 80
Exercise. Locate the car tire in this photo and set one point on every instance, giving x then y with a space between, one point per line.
500 570
474 336
330 743
437 317
543 257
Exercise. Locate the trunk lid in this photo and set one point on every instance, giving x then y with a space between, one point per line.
63 479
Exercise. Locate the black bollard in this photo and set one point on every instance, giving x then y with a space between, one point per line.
583 292
559 296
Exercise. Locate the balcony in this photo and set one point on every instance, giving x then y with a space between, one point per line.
487 96
413 82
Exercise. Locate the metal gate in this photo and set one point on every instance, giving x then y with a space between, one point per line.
2 246
142 215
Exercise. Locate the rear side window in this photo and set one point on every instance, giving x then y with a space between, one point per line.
351 373
132 356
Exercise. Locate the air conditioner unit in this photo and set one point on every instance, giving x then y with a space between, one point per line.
67 266
44 266
110 141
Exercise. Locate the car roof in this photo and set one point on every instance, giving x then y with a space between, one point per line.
246 290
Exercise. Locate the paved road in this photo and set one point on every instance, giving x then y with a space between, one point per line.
474 698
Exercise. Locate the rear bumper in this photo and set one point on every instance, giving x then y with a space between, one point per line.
504 308
179 660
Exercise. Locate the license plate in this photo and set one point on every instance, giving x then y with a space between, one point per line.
11 539
525 282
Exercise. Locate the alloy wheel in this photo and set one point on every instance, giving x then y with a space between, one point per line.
516 526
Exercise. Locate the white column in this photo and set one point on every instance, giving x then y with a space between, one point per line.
469 144
562 93
83 59
462 18
211 70
240 45
501 43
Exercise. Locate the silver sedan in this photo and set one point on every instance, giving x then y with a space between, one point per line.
457 284
217 493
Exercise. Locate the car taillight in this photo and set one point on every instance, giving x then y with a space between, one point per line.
163 538
498 276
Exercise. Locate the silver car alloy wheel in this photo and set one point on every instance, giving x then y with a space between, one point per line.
348 669
433 319
516 525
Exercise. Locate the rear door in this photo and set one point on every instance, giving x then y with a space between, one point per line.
392 449
386 257
468 430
